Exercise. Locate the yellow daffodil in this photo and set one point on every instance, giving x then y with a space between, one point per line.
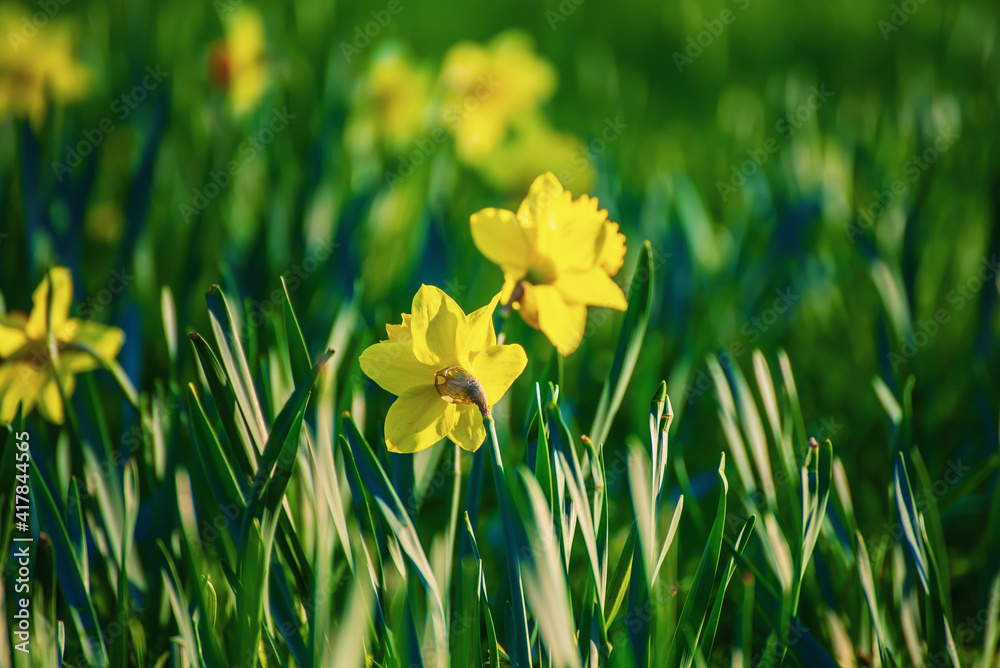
487 88
446 369
534 148
27 374
395 98
236 62
558 256
37 66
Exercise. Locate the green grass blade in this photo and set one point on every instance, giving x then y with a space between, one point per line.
298 353
619 581
279 453
545 583
868 587
234 422
909 519
235 363
707 639
377 484
71 579
692 617
640 299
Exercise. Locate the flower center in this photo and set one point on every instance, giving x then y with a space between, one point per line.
457 386
542 272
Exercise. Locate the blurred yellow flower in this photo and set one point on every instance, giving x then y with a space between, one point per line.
399 94
37 67
446 369
535 148
236 62
558 256
27 374
487 88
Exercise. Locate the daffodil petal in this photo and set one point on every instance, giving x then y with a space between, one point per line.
50 402
62 297
19 382
613 251
418 419
594 288
496 369
499 236
469 431
562 323
12 334
536 209
105 341
400 332
569 234
393 366
438 328
481 331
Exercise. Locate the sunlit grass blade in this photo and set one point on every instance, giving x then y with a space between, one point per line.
71 579
707 639
730 426
754 430
491 635
692 617
909 519
219 473
235 363
669 540
618 586
298 352
387 501
868 587
544 581
629 343
515 613
120 643
178 604
278 456
241 443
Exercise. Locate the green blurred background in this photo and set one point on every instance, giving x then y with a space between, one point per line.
747 141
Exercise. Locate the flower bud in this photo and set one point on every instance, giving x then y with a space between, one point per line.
457 386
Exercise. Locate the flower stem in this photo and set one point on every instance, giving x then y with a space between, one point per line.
522 655
453 519
504 312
